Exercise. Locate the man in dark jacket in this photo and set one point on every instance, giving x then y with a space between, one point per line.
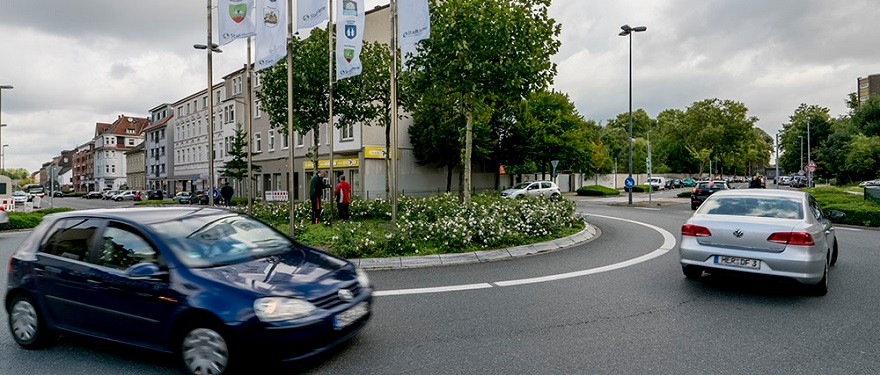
226 192
316 190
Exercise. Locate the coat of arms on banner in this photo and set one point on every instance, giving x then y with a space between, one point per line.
270 17
350 31
348 53
238 12
349 7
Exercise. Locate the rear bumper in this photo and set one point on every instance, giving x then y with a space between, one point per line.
805 265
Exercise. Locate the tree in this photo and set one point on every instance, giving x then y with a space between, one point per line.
819 122
236 168
866 117
310 86
15 173
862 160
480 51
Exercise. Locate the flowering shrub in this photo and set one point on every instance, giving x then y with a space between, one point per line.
437 224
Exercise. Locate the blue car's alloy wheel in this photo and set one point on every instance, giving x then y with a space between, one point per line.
204 351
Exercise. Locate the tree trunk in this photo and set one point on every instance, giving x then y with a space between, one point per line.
449 178
468 145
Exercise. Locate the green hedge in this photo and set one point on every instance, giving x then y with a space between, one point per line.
684 194
26 220
857 210
597 190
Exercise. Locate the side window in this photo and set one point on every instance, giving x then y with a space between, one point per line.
814 206
121 247
545 185
70 238
534 186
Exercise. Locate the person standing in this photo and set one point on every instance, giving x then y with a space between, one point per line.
226 192
343 191
316 190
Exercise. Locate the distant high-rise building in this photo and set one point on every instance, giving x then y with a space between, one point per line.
868 86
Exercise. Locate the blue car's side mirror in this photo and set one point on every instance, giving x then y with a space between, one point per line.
144 270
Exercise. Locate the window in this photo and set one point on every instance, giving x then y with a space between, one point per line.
188 111
236 85
256 79
258 145
347 132
285 141
121 248
131 141
271 137
300 140
70 238
257 109
205 101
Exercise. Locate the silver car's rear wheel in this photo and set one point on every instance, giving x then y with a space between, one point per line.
205 351
821 288
692 272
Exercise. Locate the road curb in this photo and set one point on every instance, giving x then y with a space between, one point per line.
589 233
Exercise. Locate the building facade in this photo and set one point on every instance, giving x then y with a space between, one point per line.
112 141
158 145
134 166
868 86
84 167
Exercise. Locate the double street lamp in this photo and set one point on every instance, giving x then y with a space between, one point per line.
628 31
2 87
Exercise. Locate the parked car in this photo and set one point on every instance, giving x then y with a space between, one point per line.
154 195
657 183
780 233
128 195
109 194
704 189
688 182
58 194
20 197
870 183
93 195
534 189
200 197
676 183
785 180
210 285
182 197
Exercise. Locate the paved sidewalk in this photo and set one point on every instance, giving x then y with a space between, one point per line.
588 234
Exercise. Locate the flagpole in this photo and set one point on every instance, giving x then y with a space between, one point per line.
330 77
210 49
393 152
290 159
249 126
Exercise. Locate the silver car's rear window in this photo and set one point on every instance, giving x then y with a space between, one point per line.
778 207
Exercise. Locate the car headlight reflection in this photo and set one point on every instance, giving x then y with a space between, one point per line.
362 278
276 309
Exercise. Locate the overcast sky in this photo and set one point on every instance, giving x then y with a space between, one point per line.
76 63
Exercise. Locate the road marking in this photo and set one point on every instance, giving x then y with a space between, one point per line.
850 229
648 208
668 244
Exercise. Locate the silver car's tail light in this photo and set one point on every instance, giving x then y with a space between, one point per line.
792 238
695 231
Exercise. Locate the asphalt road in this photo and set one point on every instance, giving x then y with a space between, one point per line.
635 317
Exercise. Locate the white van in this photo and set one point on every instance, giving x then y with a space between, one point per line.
6 202
657 183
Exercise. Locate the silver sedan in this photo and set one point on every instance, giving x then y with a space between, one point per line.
768 232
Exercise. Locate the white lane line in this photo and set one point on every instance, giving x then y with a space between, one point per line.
439 289
849 229
668 244
648 208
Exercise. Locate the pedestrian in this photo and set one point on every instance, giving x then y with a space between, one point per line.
226 192
316 190
343 193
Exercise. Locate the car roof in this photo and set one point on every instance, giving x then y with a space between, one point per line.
145 215
779 193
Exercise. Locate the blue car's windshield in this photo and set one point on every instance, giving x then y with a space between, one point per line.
206 241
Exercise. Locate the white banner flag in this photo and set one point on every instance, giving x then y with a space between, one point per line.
271 41
309 13
414 21
235 19
349 38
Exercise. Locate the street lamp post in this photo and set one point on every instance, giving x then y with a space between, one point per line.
802 152
628 31
210 94
777 161
2 154
2 87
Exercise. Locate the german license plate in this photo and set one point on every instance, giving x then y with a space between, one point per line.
351 315
738 262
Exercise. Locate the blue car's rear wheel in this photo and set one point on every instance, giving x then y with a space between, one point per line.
26 324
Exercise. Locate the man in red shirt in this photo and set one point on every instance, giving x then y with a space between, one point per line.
343 197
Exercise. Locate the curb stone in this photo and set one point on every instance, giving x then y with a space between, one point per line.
588 234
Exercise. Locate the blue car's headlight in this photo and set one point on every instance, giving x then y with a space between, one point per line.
276 309
362 278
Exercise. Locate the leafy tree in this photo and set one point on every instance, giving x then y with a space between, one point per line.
15 173
862 160
642 123
866 117
819 122
483 50
237 168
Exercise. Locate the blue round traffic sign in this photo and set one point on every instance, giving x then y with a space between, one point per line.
629 182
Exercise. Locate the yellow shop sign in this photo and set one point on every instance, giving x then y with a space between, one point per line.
337 163
375 152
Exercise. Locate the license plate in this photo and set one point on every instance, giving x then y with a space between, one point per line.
351 315
738 262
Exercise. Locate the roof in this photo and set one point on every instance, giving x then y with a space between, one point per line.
158 123
124 125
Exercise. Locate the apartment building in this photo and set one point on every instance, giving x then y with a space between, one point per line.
868 86
84 167
134 165
158 144
111 143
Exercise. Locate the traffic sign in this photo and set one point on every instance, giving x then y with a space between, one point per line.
811 168
629 182
812 164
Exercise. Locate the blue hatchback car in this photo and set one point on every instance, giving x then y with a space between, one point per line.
214 286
